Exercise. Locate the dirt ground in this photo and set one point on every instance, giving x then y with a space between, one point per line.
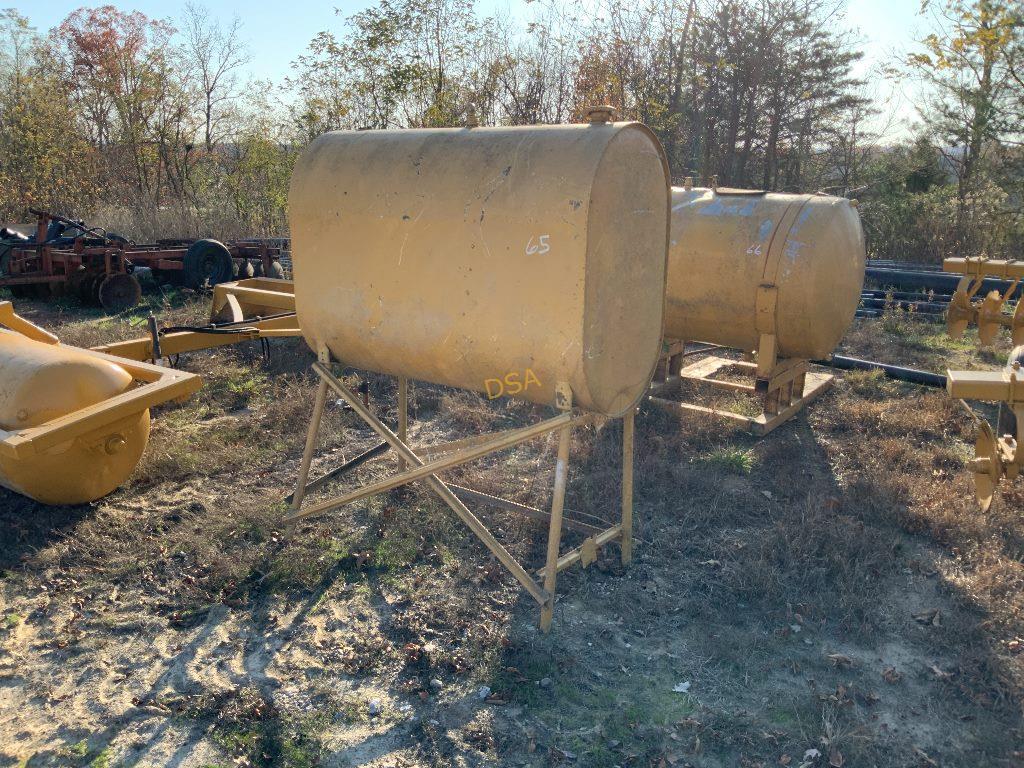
826 596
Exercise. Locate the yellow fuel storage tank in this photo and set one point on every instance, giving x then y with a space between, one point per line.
533 254
44 382
726 244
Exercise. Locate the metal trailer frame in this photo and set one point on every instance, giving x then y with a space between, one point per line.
157 385
49 266
995 456
541 585
177 342
238 312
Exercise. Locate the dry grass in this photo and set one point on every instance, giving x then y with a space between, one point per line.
780 577
147 224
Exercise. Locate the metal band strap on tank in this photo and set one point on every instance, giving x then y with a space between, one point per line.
776 248
766 319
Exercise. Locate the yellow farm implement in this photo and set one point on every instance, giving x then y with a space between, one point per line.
74 422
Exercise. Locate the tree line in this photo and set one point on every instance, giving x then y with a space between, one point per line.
155 127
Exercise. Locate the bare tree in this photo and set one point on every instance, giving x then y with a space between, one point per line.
216 55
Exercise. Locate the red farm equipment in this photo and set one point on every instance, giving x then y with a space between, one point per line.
65 256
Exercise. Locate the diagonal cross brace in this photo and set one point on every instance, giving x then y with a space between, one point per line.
496 442
424 471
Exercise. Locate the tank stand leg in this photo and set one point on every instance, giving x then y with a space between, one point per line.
307 454
403 415
542 584
555 528
628 423
675 362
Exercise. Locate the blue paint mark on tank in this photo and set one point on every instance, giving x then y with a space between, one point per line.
720 208
793 249
765 229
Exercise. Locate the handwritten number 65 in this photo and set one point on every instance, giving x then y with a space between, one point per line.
541 248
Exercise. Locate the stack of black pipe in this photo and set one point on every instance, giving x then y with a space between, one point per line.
921 288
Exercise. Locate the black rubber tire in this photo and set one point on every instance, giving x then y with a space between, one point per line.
91 288
20 291
119 292
276 270
207 262
5 258
1006 423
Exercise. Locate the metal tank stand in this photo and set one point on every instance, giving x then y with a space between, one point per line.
412 467
785 385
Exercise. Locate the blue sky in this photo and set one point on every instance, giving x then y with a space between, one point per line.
278 32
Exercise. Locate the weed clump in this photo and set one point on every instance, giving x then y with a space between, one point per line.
732 460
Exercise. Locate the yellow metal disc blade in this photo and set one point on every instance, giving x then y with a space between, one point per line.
987 333
955 327
1017 326
988 318
983 490
958 313
986 480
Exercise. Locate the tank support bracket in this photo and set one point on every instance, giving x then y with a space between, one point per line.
785 386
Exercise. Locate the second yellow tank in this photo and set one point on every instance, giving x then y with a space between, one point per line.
725 244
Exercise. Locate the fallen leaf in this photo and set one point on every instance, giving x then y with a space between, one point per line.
785 760
939 674
836 759
924 757
890 675
840 660
681 687
932 617
412 651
